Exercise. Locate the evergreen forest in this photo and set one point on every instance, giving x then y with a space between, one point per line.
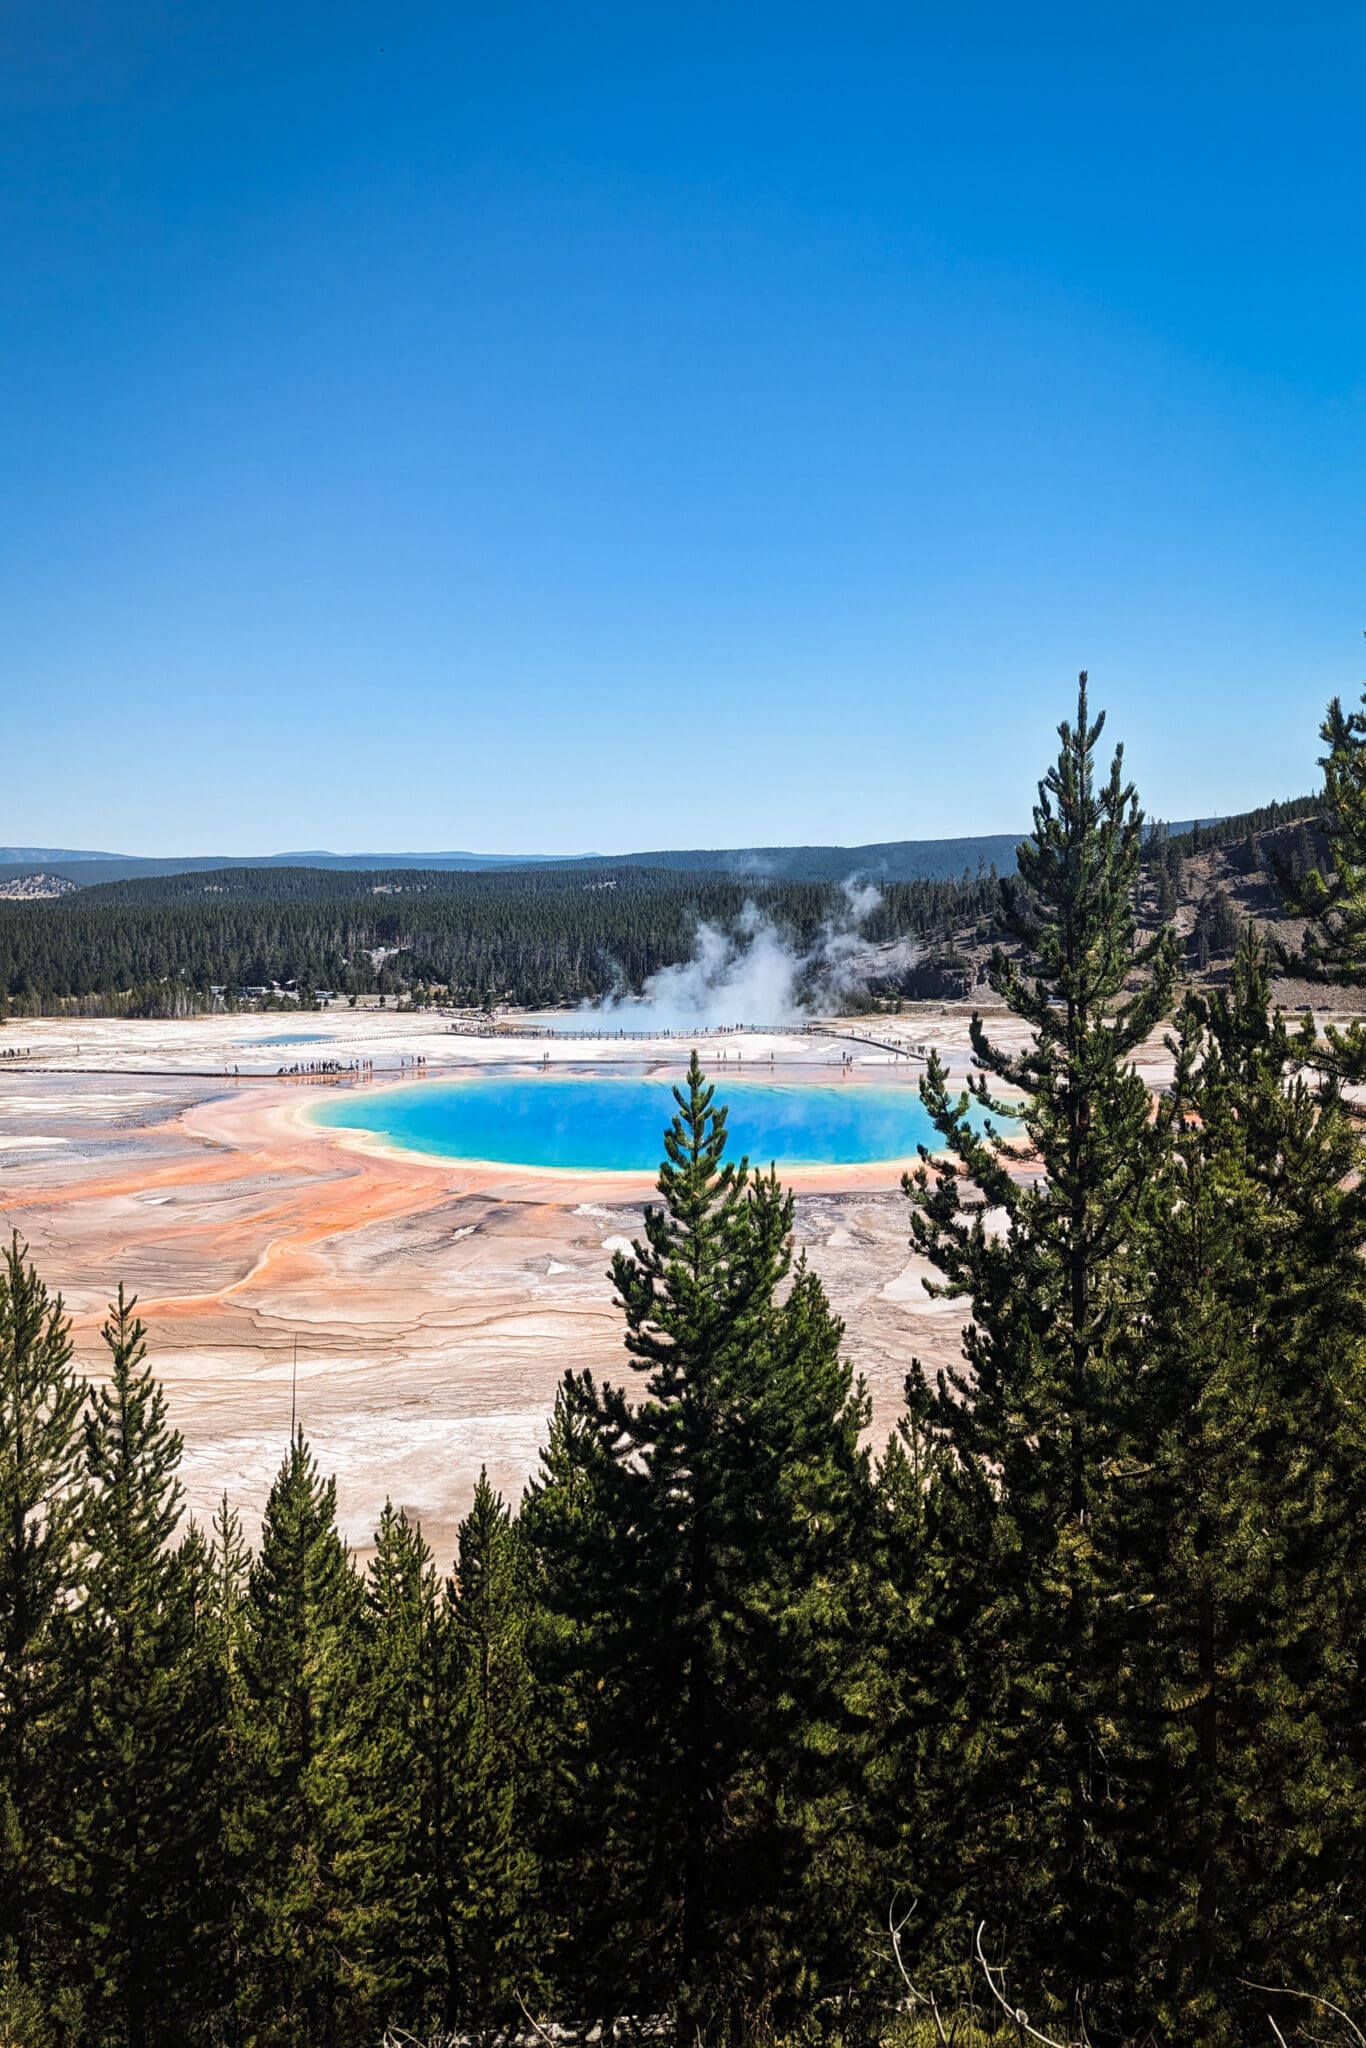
159 946
1045 1720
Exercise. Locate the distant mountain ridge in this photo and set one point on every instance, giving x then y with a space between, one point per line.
888 860
13 856
119 867
899 860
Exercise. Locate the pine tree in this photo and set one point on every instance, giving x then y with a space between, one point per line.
1334 945
570 1516
217 1576
739 1506
1333 905
137 1761
493 1866
409 1773
917 1677
1216 928
41 1509
1242 1532
227 1579
1022 1629
302 1822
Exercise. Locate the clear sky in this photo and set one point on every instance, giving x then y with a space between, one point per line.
567 427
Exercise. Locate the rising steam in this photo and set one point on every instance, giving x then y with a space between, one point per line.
751 975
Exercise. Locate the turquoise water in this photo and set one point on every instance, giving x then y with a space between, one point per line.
610 1125
286 1038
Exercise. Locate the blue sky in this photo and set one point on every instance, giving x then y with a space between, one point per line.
549 428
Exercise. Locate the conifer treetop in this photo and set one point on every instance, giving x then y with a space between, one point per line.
132 1455
41 1481
710 1255
1071 907
1333 947
1088 988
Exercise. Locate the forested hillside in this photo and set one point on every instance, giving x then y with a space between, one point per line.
891 860
534 936
1043 1721
564 934
159 944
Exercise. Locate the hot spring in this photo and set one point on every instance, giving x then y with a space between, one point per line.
610 1125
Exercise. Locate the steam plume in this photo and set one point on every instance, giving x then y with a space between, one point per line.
752 975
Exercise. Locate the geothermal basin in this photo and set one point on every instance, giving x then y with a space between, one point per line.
307 1248
613 1124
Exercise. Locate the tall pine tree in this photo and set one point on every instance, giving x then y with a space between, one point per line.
412 1772
570 1516
1334 944
1042 1237
308 1897
1333 904
1242 1534
137 1762
216 1575
738 1503
41 1512
492 1861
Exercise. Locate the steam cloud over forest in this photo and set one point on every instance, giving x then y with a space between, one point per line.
753 973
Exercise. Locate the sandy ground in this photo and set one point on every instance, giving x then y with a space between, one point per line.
433 1305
